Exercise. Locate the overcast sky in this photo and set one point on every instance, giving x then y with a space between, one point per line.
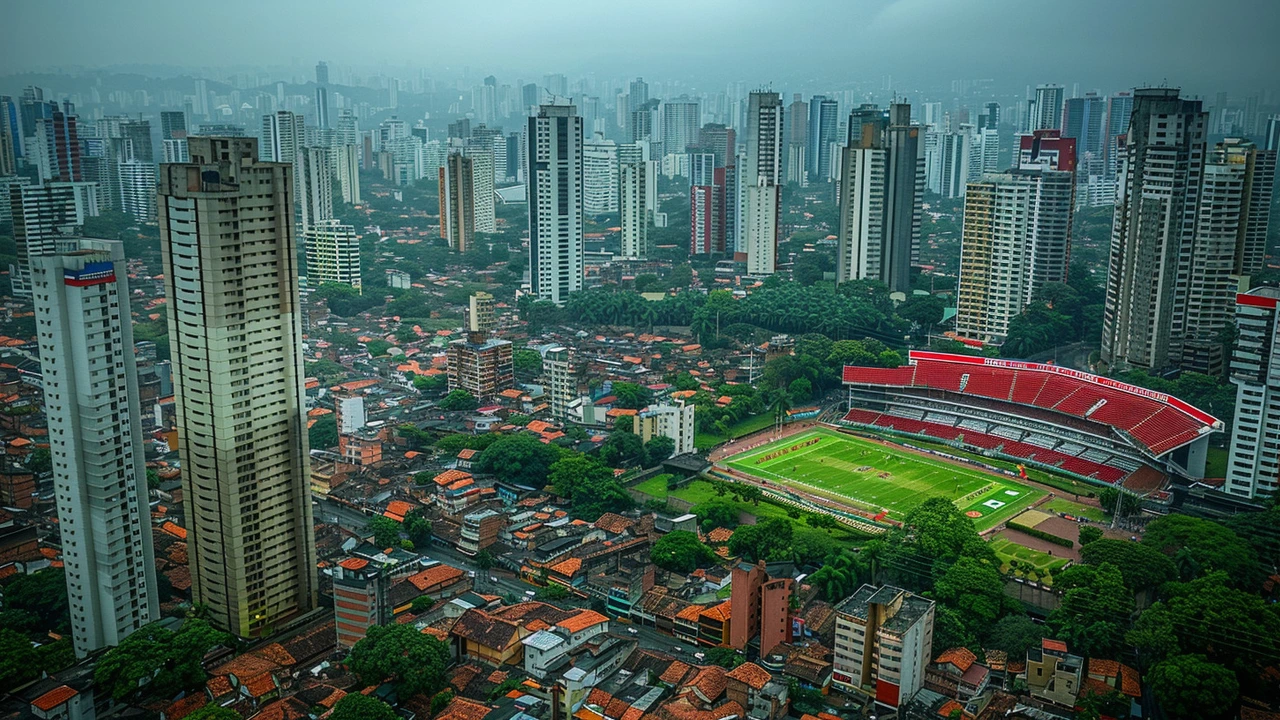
1200 45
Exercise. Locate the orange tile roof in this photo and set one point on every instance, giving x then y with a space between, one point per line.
397 509
567 567
54 698
353 563
357 384
613 523
752 674
949 707
583 620
621 412
448 477
435 576
466 454
959 656
691 613
719 536
538 426
674 672
718 612
461 708
184 707
1129 683
1105 668
1055 645
174 529
260 685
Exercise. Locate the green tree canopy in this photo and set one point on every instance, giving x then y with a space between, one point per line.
18 663
521 459
765 541
459 400
1095 609
1189 686
681 551
631 395
716 514
974 589
214 712
324 433
1014 634
622 448
659 448
1088 534
1142 567
42 593
1210 545
418 528
527 363
591 487
167 662
414 660
385 531
354 706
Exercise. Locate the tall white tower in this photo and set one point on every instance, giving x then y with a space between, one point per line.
555 202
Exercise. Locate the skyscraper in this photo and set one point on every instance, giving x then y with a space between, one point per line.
322 73
637 94
1161 169
1046 108
824 119
138 189
1253 469
236 340
797 163
706 205
760 179
41 216
95 436
322 107
56 148
634 209
881 189
681 120
955 151
1272 139
599 176
282 137
555 202
457 201
333 254
1016 236
173 125
1086 123
138 132
480 150
315 185
11 126
348 170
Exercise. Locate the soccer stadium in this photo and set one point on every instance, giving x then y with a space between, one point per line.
1064 420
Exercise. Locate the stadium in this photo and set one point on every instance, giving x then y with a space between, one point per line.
1064 420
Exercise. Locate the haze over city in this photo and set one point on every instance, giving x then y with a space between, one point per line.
722 360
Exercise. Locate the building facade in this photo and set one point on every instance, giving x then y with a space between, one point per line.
555 202
761 179
673 421
599 176
1253 468
236 339
315 184
1016 237
480 365
634 209
883 643
41 214
96 440
333 254
457 201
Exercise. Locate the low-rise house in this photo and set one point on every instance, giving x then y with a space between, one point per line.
1053 673
957 674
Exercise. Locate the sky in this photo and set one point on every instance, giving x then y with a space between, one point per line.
1201 45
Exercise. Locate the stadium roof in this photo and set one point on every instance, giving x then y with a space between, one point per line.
1159 422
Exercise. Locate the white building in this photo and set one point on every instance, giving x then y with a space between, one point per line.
1015 238
482 196
555 202
333 254
673 421
138 189
634 210
282 137
1046 108
236 334
599 176
176 150
41 215
562 385
315 186
759 179
760 223
346 160
96 440
883 643
1254 464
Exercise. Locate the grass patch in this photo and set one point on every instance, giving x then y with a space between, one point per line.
701 491
1063 505
1215 464
1029 562
655 487
746 426
866 474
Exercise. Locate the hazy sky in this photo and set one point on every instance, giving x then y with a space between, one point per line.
1201 45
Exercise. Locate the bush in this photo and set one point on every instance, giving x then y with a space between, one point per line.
1041 534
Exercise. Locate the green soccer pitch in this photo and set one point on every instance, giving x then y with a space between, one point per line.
876 477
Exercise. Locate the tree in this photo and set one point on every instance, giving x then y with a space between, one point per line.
40 461
1142 567
354 706
422 603
923 310
217 712
716 514
942 532
1212 546
552 592
1110 498
430 383
157 661
631 396
415 661
1095 609
950 629
681 551
18 663
659 448
324 433
765 541
386 532
377 348
527 363
1014 634
622 448
459 400
833 583
43 594
1088 534
484 560
418 528
974 589
726 658
1189 686
590 487
800 389
520 459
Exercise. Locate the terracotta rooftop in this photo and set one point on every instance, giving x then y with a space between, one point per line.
54 698
959 656
435 576
461 708
613 523
582 620
1054 645
752 674
719 536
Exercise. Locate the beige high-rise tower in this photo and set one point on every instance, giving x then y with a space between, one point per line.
230 264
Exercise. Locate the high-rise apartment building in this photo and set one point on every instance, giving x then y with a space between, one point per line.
1016 237
1253 467
1152 278
1244 174
881 190
760 180
175 151
138 133
56 148
235 334
555 202
479 364
760 608
824 119
173 125
1085 121
95 436
481 313
706 205
11 126
681 120
558 374
347 166
1272 139
1046 109
41 215
599 176
138 189
315 184
333 253
282 138
480 148
884 642
797 166
457 201
954 151
634 209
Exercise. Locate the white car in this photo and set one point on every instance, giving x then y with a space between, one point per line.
633 631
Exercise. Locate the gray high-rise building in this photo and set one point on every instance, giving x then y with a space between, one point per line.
1272 139
42 215
681 119
1253 467
1046 108
881 190
173 125
322 73
235 332
761 178
797 163
95 435
555 195
824 119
